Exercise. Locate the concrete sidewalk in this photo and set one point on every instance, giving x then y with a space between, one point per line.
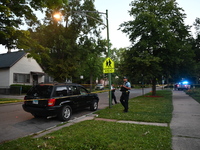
185 124
21 97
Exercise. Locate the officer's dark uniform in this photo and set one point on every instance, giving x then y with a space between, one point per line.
125 96
113 94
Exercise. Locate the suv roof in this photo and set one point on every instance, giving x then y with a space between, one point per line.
53 84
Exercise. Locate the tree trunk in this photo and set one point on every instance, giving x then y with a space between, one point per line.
154 87
91 80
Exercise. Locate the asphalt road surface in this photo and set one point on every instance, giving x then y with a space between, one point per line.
16 123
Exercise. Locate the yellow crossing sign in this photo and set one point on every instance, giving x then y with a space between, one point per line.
108 66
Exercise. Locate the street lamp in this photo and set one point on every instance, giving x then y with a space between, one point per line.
57 16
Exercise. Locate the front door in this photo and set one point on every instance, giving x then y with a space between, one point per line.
35 79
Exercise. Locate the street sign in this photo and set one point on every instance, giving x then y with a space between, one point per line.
108 66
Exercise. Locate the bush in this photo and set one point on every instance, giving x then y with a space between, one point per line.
19 88
194 93
196 85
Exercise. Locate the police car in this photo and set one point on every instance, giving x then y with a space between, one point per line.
183 85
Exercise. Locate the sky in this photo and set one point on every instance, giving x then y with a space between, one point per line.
118 13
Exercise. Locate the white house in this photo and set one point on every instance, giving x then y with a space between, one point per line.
17 68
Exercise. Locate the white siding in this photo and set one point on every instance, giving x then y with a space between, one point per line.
4 81
26 66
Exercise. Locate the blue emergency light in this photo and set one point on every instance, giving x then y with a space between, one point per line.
185 82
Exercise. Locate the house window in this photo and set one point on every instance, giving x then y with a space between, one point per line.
21 78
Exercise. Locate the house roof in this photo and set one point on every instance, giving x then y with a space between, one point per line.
7 60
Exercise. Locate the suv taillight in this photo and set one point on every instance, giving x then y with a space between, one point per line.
24 99
51 102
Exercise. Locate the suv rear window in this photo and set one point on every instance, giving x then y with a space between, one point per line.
40 91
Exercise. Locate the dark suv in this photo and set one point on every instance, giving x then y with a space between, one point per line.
58 100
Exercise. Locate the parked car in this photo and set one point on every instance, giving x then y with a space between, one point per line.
58 100
99 87
184 85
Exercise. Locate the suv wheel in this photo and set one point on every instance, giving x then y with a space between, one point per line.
36 115
94 105
65 113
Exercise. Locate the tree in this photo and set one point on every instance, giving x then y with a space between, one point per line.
61 49
196 48
197 26
91 62
117 55
17 13
159 38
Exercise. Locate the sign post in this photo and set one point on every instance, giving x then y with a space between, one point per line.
109 67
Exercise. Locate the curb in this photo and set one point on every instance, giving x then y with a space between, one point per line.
69 123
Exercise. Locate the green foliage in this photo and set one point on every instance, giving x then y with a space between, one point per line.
197 25
194 93
160 40
24 88
61 50
196 47
117 55
16 13
60 47
90 65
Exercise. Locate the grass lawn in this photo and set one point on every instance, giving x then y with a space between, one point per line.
147 109
102 135
194 93
98 135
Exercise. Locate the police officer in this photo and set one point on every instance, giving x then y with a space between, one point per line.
125 89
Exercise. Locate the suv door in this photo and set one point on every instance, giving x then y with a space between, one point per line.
60 93
74 95
85 97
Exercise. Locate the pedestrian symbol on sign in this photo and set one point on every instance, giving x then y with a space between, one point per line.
108 63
